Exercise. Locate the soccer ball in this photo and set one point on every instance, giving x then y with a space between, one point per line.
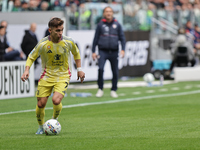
52 127
148 77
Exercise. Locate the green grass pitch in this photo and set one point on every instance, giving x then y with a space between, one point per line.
141 118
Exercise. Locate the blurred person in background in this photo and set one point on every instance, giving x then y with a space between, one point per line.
197 37
107 36
24 6
70 2
73 17
33 5
58 5
85 17
17 5
29 40
189 31
7 53
44 6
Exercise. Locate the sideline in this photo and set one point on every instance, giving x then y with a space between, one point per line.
109 102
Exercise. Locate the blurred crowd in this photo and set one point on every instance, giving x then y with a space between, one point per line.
177 12
44 5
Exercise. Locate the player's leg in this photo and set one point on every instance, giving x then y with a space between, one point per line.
40 109
57 105
42 94
40 112
59 91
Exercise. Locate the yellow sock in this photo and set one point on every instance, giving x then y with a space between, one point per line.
56 110
40 112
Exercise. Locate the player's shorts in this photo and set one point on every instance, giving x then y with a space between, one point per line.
45 88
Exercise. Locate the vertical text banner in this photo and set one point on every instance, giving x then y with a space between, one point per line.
136 61
11 85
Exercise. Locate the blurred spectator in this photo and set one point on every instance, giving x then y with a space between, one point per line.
44 6
185 14
197 37
24 6
73 17
7 53
189 30
85 18
33 5
29 40
58 5
17 5
158 3
70 2
129 16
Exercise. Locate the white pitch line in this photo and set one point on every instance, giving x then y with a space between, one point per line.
110 101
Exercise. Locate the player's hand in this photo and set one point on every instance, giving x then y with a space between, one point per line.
25 76
81 75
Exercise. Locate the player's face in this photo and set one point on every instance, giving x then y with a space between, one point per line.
56 33
108 13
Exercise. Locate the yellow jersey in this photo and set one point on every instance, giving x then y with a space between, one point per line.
55 57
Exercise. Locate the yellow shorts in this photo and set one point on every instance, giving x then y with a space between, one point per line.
45 88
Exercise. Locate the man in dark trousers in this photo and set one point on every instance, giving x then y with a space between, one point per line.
29 40
108 34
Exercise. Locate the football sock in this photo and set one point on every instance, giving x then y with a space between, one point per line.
56 110
40 115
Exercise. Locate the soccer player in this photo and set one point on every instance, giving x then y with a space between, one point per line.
54 51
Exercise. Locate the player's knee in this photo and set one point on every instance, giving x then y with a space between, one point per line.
41 103
56 100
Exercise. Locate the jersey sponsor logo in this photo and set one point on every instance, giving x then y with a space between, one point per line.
57 61
49 51
48 46
57 57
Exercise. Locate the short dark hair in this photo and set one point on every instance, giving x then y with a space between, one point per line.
55 22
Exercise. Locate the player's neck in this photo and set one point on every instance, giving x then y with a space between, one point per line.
54 40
